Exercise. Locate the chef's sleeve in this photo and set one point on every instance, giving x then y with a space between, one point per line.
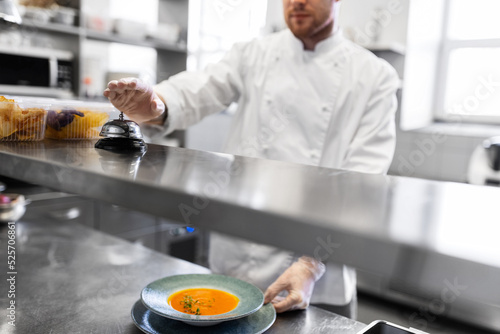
190 96
372 148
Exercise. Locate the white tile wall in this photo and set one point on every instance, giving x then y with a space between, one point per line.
209 134
420 155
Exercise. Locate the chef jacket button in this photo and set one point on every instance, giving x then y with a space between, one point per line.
269 101
325 109
314 154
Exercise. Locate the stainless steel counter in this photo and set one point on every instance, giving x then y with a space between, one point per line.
71 279
430 238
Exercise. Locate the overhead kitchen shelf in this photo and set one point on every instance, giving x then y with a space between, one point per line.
106 37
156 44
172 55
52 27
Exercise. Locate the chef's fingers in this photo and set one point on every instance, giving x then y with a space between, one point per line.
277 299
123 85
140 86
273 290
293 301
106 92
127 83
157 105
112 95
112 85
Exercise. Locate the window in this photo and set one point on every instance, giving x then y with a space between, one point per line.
468 74
215 25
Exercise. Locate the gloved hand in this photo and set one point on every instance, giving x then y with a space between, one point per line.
298 280
135 99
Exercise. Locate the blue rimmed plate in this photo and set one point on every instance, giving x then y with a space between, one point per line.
151 323
155 296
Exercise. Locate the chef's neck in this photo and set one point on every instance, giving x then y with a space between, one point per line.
323 33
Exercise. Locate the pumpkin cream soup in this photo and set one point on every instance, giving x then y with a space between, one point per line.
203 301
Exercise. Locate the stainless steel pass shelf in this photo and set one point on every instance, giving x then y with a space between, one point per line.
72 279
426 236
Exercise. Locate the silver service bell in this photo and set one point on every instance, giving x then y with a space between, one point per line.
121 136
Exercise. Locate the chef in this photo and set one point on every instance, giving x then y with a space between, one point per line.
336 102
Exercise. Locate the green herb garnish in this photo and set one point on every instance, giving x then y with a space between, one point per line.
188 303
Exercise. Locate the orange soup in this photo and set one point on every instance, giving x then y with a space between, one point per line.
203 301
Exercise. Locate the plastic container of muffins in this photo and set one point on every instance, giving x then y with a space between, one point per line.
22 120
77 120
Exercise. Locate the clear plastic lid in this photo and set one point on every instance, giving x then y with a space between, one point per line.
74 119
22 119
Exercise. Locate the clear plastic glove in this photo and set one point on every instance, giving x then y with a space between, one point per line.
298 280
135 99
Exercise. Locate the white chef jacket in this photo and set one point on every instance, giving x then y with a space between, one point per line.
332 107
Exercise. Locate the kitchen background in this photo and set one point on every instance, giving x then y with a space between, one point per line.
154 40
393 29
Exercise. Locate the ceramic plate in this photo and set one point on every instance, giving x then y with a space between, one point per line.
151 323
155 296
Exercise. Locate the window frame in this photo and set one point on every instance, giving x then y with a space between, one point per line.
447 47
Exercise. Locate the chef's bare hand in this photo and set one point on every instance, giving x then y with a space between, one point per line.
298 280
135 99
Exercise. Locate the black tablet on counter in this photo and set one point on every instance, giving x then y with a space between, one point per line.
385 327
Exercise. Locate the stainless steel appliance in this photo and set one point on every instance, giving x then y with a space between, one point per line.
484 166
36 71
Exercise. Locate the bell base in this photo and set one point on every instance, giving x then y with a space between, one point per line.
121 145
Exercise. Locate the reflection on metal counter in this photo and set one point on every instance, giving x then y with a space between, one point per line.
12 207
155 233
119 163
